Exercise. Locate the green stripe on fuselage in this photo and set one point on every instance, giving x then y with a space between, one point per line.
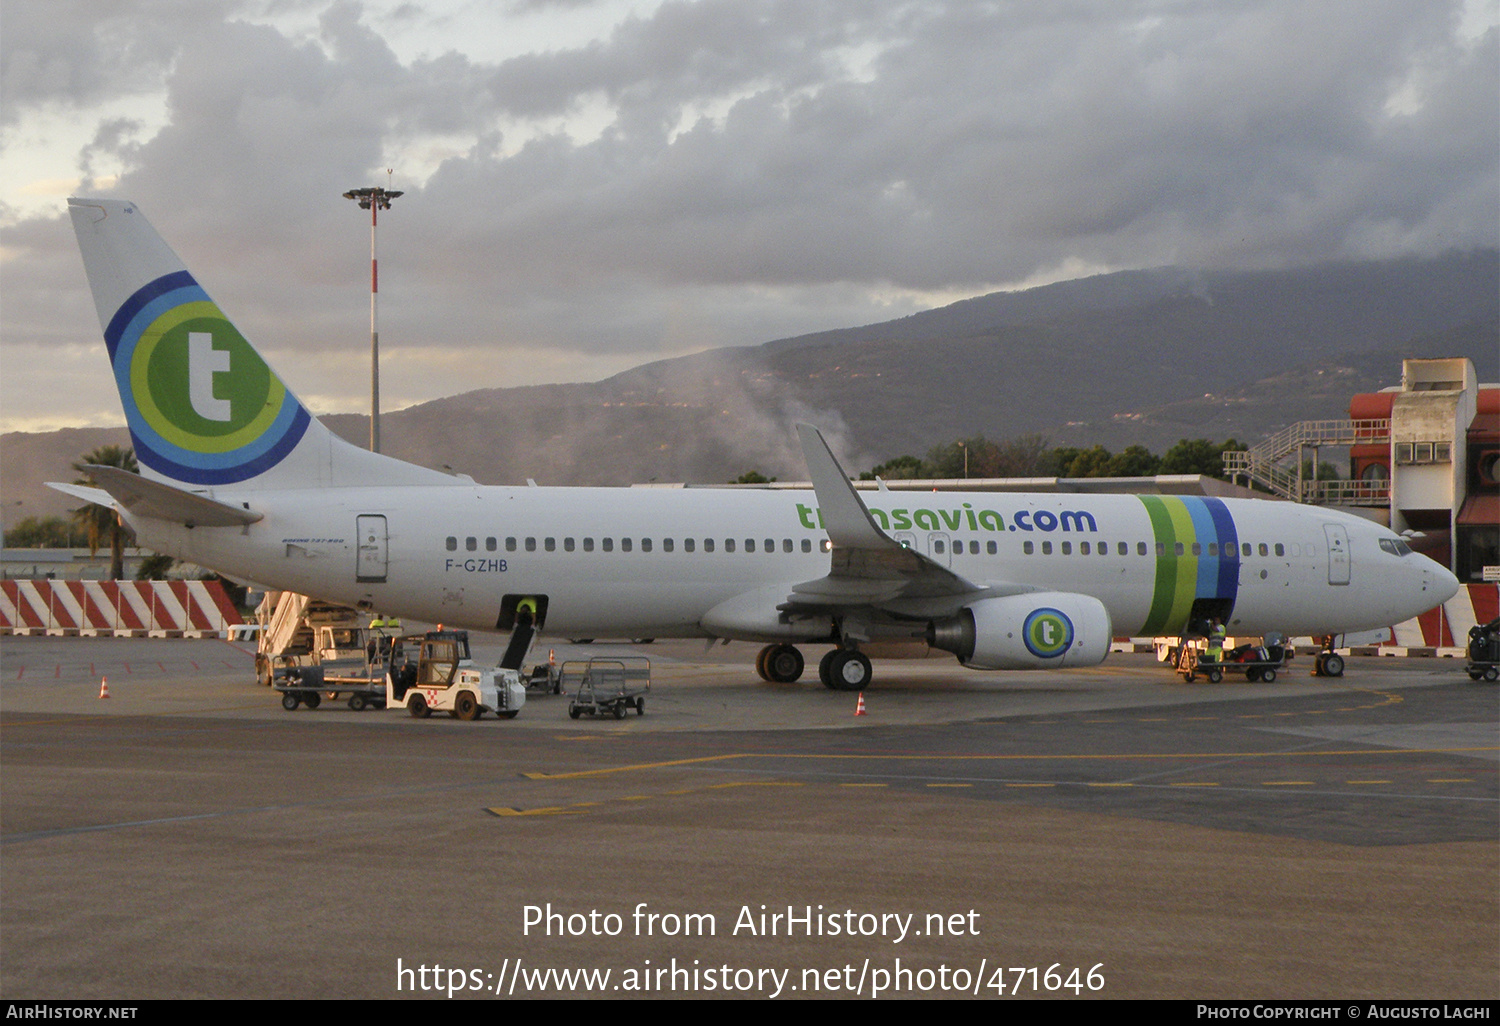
1176 576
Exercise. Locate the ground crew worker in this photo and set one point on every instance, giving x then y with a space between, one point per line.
1216 641
382 630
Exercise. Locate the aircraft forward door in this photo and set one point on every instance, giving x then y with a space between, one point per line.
1338 553
371 562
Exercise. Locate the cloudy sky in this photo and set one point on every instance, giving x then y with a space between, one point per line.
592 184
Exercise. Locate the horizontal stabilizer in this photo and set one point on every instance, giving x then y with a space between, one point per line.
143 497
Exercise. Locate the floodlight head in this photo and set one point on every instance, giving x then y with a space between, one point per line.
379 198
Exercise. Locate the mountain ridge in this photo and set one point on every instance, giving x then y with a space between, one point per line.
1134 357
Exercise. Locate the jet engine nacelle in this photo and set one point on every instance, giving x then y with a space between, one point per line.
1026 632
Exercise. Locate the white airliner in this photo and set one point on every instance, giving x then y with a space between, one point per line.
237 476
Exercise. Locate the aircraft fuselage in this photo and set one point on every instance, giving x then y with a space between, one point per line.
655 562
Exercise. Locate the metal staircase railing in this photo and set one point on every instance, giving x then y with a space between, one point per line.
1261 463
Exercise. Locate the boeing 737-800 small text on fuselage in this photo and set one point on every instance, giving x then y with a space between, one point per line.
238 476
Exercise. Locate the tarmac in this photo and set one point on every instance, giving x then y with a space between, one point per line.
1105 832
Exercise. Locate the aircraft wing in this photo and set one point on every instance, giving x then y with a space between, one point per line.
140 496
868 567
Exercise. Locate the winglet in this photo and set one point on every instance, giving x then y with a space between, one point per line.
845 517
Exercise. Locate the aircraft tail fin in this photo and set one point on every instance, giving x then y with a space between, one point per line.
204 409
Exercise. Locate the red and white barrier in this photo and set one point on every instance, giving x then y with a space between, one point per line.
161 609
1444 630
1441 631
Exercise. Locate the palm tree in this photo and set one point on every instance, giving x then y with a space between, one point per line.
101 522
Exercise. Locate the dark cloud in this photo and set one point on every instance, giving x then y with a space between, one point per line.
78 52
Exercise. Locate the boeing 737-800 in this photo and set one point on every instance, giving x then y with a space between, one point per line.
238 476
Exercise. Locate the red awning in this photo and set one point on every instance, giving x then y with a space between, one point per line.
1480 510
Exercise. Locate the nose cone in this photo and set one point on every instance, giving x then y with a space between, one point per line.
1439 582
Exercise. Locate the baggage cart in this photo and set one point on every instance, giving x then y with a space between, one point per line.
610 686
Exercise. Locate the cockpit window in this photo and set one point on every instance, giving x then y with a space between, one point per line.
1395 546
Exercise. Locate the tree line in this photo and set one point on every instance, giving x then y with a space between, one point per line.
1034 456
91 525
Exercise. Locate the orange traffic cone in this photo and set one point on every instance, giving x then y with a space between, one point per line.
551 657
103 687
859 708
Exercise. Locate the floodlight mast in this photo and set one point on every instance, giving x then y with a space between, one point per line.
374 199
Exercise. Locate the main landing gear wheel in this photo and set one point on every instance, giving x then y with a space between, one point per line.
760 663
849 671
825 668
783 664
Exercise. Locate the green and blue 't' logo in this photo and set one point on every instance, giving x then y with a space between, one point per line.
202 405
1047 632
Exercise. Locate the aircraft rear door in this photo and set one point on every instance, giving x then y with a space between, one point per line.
1338 553
370 535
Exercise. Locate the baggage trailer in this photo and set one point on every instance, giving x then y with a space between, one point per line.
299 690
1257 662
607 685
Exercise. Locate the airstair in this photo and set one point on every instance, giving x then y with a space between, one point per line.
289 623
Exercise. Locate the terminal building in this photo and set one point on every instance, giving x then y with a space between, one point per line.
1424 459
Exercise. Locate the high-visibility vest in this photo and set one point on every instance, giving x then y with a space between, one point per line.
1216 643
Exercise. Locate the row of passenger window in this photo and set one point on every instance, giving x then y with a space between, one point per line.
1178 549
471 544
